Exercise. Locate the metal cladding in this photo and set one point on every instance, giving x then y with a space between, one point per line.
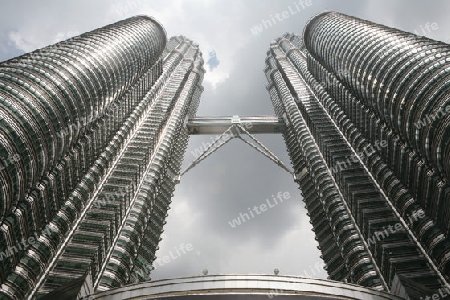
395 85
50 97
98 122
392 77
365 107
320 191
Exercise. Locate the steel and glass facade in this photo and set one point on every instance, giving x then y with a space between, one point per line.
92 137
367 131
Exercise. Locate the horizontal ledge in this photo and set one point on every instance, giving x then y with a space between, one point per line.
218 125
215 287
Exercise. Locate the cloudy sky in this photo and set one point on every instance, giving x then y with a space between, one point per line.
234 41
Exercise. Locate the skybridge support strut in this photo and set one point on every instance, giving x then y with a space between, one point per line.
228 128
253 124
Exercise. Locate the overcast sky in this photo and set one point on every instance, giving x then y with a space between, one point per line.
236 177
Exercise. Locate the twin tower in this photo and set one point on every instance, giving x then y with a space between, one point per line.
94 129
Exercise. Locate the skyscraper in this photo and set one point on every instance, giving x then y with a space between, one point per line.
366 110
94 129
92 136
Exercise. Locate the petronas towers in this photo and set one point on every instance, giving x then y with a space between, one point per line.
94 129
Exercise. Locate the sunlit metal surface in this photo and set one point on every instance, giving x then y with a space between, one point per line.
253 124
98 126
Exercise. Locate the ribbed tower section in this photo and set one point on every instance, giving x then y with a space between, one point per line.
95 125
345 252
394 89
164 128
392 197
393 86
